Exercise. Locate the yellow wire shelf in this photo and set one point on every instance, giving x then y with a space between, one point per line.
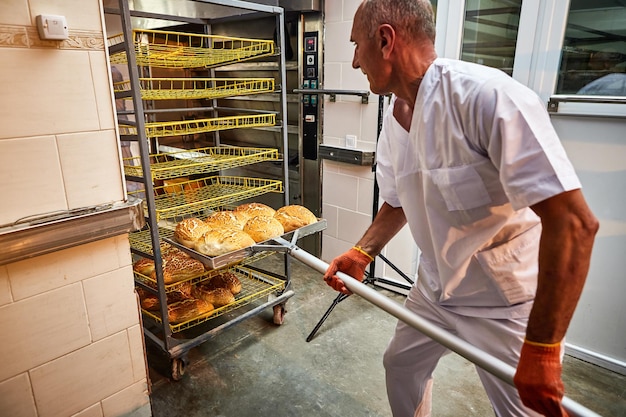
197 196
165 49
254 286
198 88
188 127
199 161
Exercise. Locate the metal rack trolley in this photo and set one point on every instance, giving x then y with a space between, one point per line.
139 48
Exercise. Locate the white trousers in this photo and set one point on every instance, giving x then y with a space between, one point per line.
411 358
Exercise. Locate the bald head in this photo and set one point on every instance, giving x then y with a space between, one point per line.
412 18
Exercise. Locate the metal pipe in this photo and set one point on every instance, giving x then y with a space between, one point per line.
487 362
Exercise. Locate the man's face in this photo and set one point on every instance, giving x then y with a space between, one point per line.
367 56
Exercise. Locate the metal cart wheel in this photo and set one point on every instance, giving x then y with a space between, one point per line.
179 365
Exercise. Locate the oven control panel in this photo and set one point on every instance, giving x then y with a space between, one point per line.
310 111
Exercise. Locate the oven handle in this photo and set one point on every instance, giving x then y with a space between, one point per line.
364 94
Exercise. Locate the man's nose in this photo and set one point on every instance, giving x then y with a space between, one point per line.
355 62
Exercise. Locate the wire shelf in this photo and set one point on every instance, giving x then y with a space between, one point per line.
197 196
165 49
199 161
254 286
197 88
189 127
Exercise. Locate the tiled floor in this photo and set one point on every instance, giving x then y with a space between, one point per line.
259 369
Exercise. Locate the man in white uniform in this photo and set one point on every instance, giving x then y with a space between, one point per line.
468 158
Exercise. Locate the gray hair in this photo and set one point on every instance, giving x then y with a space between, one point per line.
414 18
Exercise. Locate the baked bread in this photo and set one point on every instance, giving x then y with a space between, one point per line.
144 266
221 241
223 219
294 216
218 296
187 309
261 228
174 185
179 268
246 211
189 231
226 280
150 301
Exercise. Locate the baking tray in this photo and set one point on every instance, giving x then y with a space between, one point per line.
216 262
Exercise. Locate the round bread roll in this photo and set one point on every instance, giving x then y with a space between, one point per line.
247 211
223 219
226 280
262 228
294 216
218 296
220 241
190 230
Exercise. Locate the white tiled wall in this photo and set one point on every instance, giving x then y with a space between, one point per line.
73 342
348 190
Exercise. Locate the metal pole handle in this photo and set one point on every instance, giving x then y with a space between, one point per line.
489 363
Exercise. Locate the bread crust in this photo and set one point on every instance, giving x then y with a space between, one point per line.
218 242
226 280
219 297
179 268
187 309
221 219
294 216
246 211
189 231
261 228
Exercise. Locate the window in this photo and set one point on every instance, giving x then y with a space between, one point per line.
490 32
593 60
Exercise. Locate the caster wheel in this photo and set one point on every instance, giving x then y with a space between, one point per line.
179 365
279 314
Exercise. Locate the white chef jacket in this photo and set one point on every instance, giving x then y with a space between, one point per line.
480 151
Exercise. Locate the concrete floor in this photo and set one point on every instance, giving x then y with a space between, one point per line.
260 369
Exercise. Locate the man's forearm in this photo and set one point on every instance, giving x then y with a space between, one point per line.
386 224
564 257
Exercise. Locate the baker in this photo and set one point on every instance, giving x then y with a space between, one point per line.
469 159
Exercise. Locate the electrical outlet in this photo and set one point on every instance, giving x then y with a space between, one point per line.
350 141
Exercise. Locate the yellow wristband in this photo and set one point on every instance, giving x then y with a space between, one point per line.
359 249
547 345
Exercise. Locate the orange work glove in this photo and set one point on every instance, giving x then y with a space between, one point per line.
352 263
538 378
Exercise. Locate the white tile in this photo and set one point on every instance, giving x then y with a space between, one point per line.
91 168
341 119
14 12
137 352
369 131
340 49
126 401
365 200
53 86
333 11
103 89
84 15
330 214
42 328
93 411
80 379
47 272
332 76
352 225
16 397
333 247
340 190
5 286
353 79
36 184
111 302
349 9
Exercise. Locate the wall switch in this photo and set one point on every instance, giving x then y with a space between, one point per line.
350 141
52 27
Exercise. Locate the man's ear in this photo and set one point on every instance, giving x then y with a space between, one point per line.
387 39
